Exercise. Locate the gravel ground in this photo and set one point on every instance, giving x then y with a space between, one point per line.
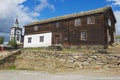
35 75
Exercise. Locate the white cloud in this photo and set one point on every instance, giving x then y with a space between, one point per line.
9 9
44 4
59 0
115 2
117 15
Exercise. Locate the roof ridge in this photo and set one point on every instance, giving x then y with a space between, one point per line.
98 10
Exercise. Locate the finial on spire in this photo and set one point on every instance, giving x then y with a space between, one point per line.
16 24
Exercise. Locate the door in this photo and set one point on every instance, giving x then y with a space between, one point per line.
57 38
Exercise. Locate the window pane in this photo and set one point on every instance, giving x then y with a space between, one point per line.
109 22
83 35
41 38
77 22
29 40
17 38
36 28
91 20
57 25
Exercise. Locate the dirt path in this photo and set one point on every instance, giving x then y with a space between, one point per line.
35 75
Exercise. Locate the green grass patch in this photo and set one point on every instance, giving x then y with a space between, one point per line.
11 67
117 36
61 51
37 49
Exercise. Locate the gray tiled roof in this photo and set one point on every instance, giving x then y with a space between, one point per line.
71 15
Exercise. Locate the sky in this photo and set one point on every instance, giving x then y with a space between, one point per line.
31 10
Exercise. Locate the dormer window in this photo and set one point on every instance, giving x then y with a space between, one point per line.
35 28
91 20
77 22
109 22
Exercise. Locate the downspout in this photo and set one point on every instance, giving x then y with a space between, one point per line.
69 33
104 30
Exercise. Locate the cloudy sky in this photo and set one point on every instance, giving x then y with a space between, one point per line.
31 10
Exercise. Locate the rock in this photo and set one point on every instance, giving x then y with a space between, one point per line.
69 65
76 56
85 65
102 51
62 60
97 67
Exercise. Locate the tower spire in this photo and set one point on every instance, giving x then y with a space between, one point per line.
16 24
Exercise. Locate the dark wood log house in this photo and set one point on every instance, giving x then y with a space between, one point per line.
94 27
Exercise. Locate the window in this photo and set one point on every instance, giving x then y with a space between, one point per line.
77 22
41 38
57 25
18 38
109 22
12 32
18 32
29 40
108 35
57 39
91 20
84 35
36 28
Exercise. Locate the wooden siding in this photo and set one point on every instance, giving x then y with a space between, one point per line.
69 34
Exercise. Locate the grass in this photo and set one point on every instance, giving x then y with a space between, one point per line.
61 51
39 49
117 36
11 68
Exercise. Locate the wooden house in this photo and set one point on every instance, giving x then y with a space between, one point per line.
94 27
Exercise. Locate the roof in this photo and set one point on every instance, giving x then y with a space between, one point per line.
100 10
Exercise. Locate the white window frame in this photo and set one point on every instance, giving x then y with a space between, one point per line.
83 35
77 22
91 20
41 38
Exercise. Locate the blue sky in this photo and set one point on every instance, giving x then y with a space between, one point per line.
62 7
31 10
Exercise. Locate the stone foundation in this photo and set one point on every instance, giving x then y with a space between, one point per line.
92 47
55 61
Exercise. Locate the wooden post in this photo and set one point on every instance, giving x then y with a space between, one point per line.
2 47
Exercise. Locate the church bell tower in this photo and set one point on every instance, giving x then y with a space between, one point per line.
16 32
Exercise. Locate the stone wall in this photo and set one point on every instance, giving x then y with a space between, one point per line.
55 61
92 47
7 58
